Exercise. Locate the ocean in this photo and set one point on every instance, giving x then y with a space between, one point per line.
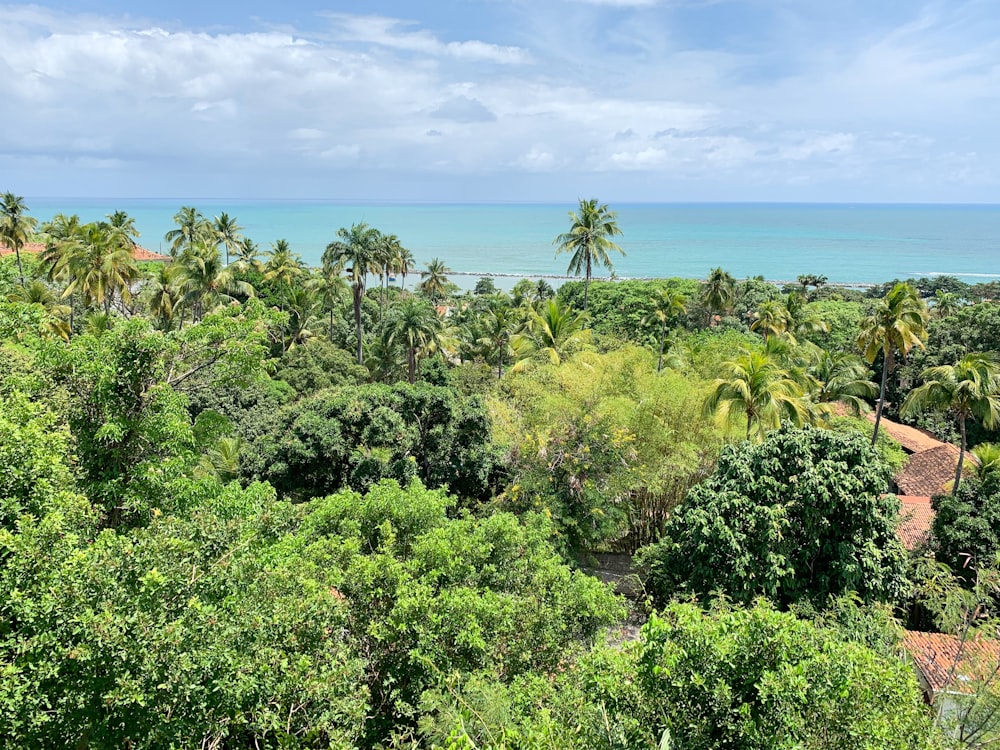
863 243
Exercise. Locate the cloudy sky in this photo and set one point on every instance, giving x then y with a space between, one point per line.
503 100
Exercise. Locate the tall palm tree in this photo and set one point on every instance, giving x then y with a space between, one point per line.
283 266
388 250
97 261
123 228
802 320
355 252
668 305
718 293
589 240
552 331
969 389
164 294
946 303
248 253
772 319
405 263
418 328
303 309
330 289
15 227
843 378
499 324
192 228
755 386
434 281
228 233
206 281
56 315
898 323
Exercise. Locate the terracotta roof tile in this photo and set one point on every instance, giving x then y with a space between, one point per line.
935 653
916 516
139 253
930 471
912 439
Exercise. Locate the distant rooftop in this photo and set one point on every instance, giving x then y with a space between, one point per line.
916 518
935 654
139 253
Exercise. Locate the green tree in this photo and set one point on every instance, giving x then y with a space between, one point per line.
589 240
355 252
15 226
164 295
969 389
843 378
966 526
668 305
434 281
228 233
192 228
500 324
207 282
98 263
330 289
800 517
553 331
897 325
417 326
772 319
757 388
718 293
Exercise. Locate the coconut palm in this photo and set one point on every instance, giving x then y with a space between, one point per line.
192 228
757 388
303 309
842 378
946 303
552 331
388 249
283 266
417 328
499 324
589 240
15 227
206 281
898 324
228 233
56 315
248 254
434 281
330 289
969 389
772 319
222 460
718 293
355 252
405 263
122 226
668 305
164 294
98 263
988 455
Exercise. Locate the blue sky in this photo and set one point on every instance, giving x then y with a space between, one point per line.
503 100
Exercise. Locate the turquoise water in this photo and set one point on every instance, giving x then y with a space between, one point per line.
848 243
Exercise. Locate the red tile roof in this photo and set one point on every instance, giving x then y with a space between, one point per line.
139 253
935 654
912 439
916 516
930 472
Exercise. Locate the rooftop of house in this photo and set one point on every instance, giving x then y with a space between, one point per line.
916 518
139 253
935 656
913 439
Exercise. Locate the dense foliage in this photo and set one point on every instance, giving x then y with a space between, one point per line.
802 516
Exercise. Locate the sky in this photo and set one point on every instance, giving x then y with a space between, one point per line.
503 100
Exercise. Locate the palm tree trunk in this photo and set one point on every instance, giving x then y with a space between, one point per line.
663 336
961 457
411 357
881 397
586 286
500 362
331 325
20 269
358 292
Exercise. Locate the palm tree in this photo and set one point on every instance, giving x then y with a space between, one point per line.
989 459
802 320
164 294
303 313
248 253
97 261
552 331
758 388
589 240
434 281
123 227
206 281
946 303
192 228
499 324
389 250
56 315
405 264
15 227
772 319
843 378
899 323
330 289
418 328
228 234
283 266
355 252
718 294
668 304
969 389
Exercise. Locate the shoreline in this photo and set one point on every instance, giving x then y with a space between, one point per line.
567 277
